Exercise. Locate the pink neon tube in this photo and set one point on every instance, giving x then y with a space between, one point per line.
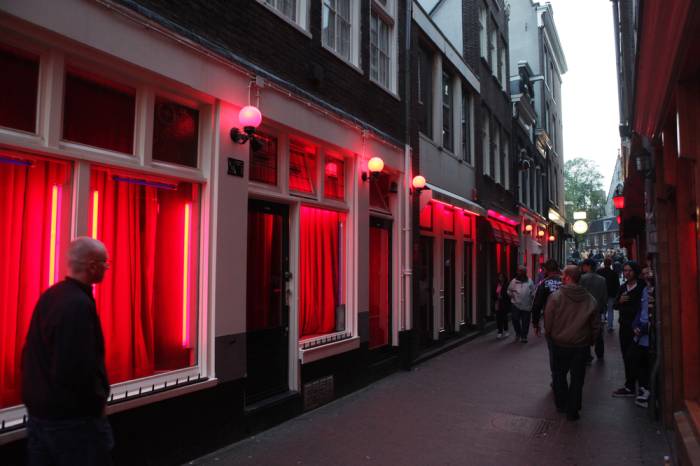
185 279
55 211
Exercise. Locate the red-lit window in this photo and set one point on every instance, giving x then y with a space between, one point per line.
175 131
334 178
148 300
321 262
499 254
379 191
19 81
448 220
467 225
263 161
426 217
302 168
34 215
98 113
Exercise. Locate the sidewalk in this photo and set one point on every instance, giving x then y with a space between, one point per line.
487 402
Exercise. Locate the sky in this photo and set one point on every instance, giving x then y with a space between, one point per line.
589 88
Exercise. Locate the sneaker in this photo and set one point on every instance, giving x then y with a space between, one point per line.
500 335
506 334
623 392
642 398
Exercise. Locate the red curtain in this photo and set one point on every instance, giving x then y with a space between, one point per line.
264 287
25 236
379 287
319 270
140 301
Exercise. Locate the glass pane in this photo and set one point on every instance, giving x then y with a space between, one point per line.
19 81
35 213
334 181
263 162
175 131
379 192
321 262
426 217
302 168
148 300
264 280
99 114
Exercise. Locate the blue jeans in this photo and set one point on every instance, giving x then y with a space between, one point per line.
611 313
70 442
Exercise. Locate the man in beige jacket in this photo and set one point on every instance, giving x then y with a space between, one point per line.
571 322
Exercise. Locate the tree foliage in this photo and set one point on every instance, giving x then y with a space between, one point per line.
583 188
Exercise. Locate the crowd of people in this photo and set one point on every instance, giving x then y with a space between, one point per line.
577 305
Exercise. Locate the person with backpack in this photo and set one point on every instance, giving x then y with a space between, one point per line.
521 291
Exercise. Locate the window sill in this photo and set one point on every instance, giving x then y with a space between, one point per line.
327 350
386 89
352 65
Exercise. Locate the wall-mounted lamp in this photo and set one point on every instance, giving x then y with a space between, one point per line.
540 233
552 238
375 165
528 228
419 184
619 198
249 118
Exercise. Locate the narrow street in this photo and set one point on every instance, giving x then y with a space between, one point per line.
487 402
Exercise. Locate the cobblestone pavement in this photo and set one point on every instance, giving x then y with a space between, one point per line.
487 402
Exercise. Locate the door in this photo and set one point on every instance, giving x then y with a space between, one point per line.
448 286
424 300
379 283
267 310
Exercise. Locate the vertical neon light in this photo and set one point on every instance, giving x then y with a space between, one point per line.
186 279
95 212
55 211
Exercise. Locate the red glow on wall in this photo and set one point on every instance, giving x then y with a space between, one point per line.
186 278
54 237
331 169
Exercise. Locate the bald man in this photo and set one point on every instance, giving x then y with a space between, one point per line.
64 380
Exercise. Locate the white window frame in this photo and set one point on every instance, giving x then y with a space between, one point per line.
483 32
353 57
53 66
503 64
387 15
301 20
486 142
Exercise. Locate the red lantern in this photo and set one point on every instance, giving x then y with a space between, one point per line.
619 220
619 201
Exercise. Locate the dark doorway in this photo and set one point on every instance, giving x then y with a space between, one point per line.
379 283
424 274
467 283
267 312
448 286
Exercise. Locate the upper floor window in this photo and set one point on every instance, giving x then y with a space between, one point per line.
493 52
496 131
425 91
447 124
466 127
483 39
19 83
294 11
502 66
382 32
340 31
486 142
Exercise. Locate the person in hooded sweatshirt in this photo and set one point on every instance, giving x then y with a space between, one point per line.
521 291
571 321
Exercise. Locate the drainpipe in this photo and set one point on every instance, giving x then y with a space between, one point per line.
406 308
618 52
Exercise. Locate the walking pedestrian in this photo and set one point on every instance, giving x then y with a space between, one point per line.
550 284
571 321
521 291
612 282
502 305
64 380
632 298
595 285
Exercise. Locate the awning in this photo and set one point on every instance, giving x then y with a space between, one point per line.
504 233
453 199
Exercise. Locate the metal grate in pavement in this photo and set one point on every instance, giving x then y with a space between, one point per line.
528 426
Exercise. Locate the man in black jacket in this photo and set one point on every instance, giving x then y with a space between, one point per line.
612 282
64 380
551 283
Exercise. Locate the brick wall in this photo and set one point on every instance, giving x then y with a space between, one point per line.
251 31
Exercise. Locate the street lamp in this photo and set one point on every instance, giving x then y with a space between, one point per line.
619 198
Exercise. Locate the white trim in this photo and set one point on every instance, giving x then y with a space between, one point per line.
301 24
328 350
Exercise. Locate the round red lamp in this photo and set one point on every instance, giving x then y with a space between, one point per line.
249 117
619 219
619 201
